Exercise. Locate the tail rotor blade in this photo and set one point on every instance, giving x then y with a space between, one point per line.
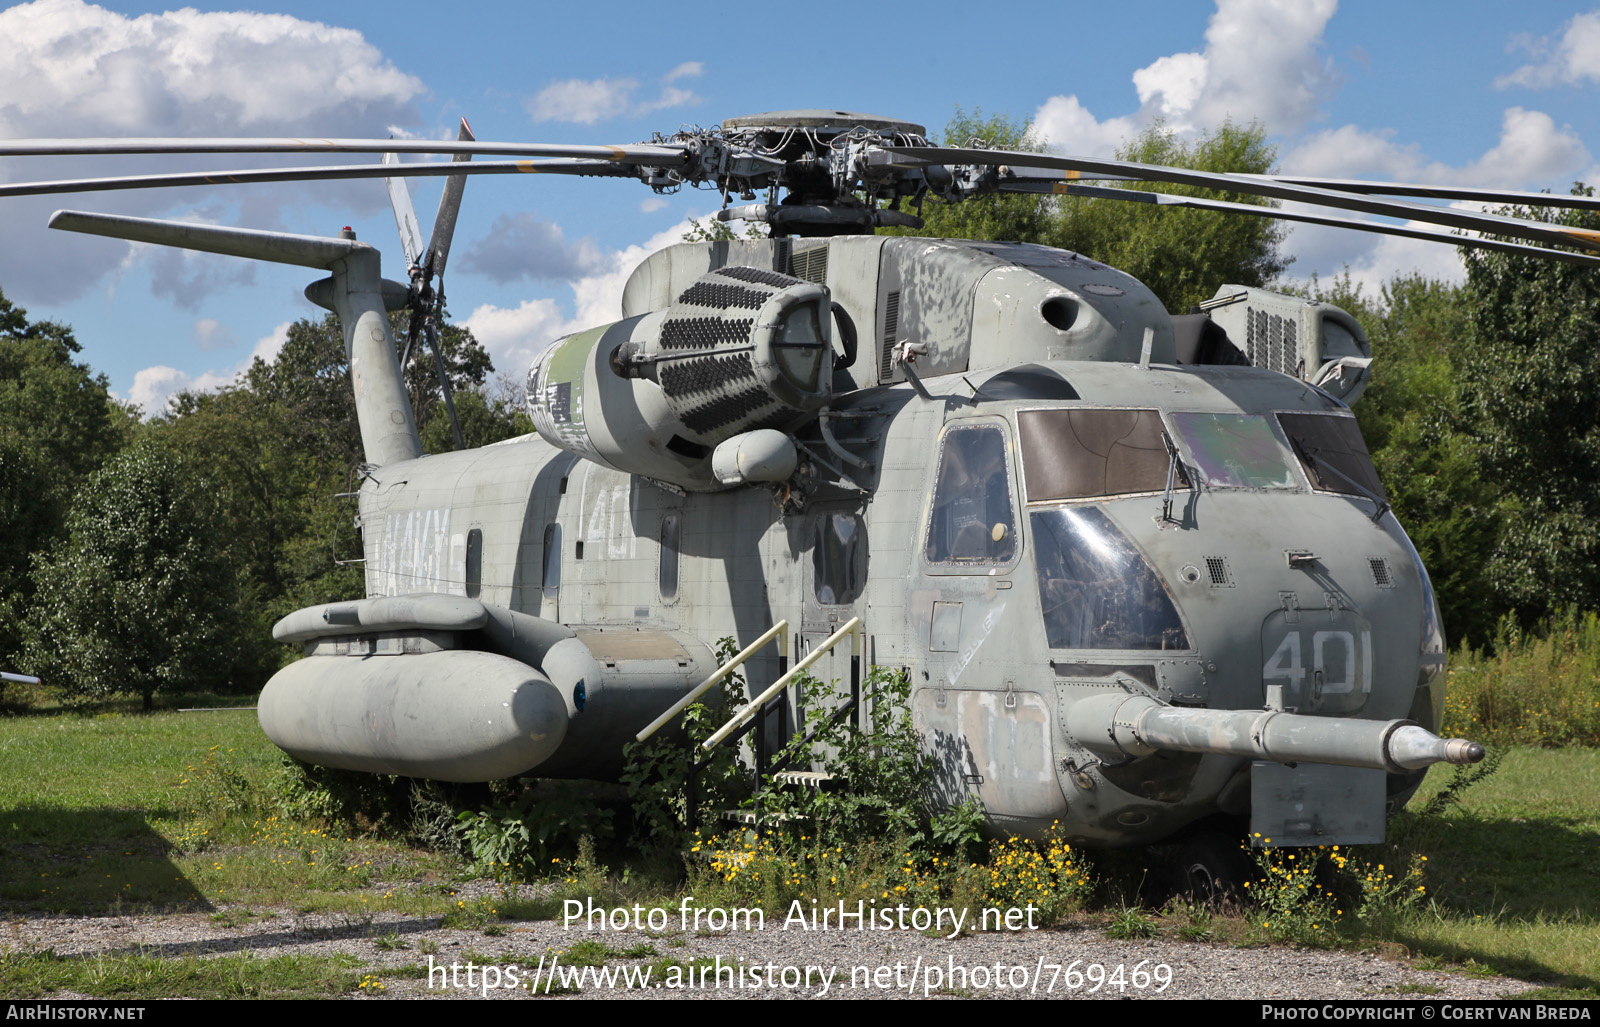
432 332
444 224
405 215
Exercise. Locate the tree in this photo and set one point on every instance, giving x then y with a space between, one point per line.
139 597
310 378
1530 387
1182 255
1411 419
58 423
996 216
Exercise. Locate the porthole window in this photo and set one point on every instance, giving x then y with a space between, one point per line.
838 561
550 577
474 562
669 556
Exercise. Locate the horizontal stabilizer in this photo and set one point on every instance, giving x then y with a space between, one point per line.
279 247
384 613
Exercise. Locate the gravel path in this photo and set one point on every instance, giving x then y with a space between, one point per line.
841 964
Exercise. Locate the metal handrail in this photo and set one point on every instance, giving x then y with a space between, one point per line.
852 628
779 630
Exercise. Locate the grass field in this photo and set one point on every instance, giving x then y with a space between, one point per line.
116 813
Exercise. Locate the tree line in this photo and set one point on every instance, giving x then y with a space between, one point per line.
143 554
155 554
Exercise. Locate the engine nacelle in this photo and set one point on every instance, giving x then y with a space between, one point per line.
743 349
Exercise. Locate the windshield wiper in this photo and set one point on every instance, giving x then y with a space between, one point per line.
1306 453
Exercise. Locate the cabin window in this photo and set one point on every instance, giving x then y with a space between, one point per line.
838 558
669 556
1089 454
550 578
1332 452
1236 451
1095 588
474 562
972 522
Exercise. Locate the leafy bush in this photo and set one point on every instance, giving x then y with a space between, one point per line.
1535 688
514 841
657 770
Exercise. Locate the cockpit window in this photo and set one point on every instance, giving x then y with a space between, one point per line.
1333 454
972 520
1087 454
1236 451
1095 588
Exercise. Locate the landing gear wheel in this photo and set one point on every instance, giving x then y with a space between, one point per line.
1213 867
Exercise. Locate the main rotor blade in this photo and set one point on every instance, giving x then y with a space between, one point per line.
405 215
640 153
1443 192
322 174
1278 213
1536 231
444 222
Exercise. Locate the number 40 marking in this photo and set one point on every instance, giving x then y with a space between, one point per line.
1341 649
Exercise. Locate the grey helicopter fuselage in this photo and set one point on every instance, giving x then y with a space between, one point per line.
1041 502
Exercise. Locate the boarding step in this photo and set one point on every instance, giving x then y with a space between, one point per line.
817 780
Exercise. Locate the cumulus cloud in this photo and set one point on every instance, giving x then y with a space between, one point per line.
515 335
1262 61
190 73
1531 153
72 69
1572 59
1063 123
154 387
588 101
525 246
209 333
1373 261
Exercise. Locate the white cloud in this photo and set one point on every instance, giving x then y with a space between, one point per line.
515 335
72 69
525 246
267 347
1572 60
1262 62
154 387
189 72
1531 153
582 102
651 204
587 101
209 333
1062 123
1373 261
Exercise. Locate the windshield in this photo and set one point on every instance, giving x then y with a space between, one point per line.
1078 453
1095 588
1236 451
1332 452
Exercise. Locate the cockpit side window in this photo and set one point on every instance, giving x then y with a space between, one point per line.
972 521
1089 454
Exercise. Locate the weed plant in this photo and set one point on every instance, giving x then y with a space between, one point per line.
1531 688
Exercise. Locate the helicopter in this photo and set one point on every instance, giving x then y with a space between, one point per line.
1138 567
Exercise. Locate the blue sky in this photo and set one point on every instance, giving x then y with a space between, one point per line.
1492 93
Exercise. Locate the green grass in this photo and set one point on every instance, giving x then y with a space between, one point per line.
1513 871
111 814
43 974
